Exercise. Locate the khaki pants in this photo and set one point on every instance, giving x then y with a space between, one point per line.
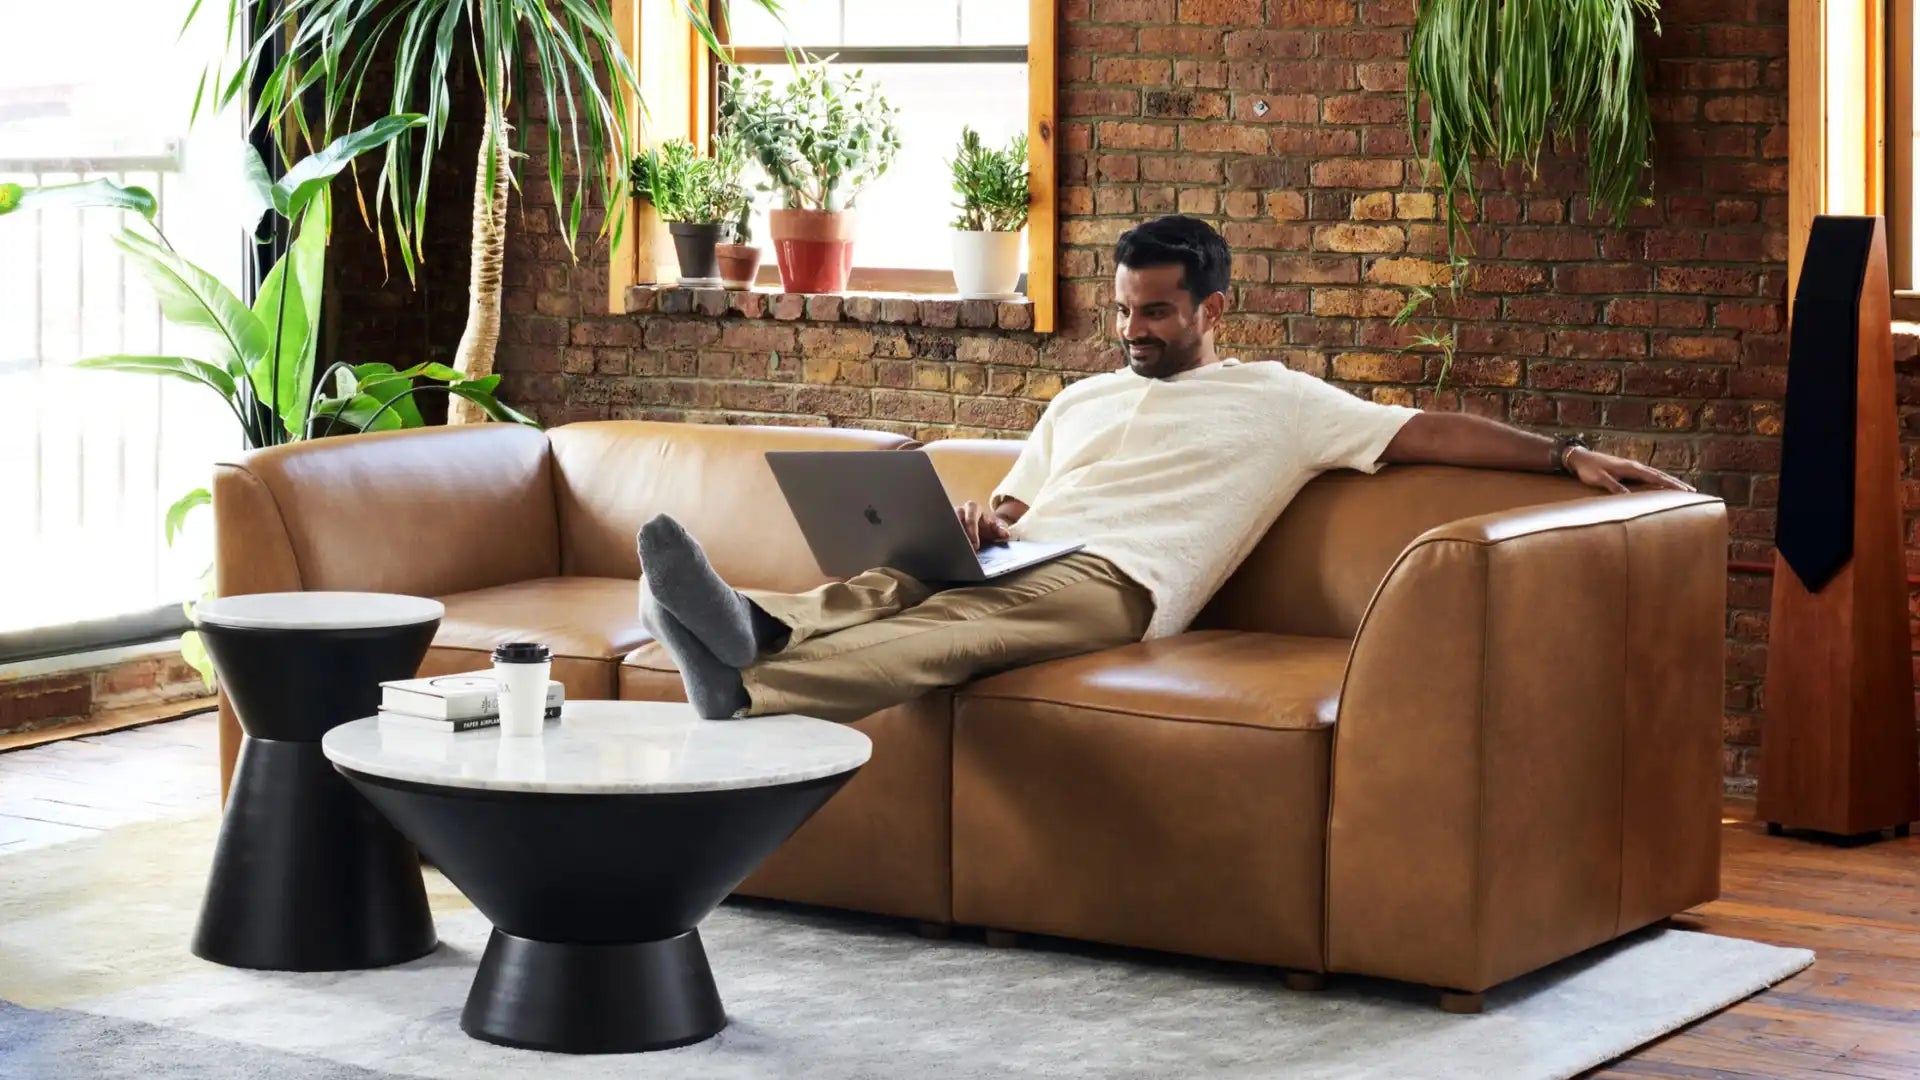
883 637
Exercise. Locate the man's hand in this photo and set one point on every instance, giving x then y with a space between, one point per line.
1610 473
982 526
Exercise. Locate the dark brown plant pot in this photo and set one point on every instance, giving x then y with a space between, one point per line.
739 265
695 244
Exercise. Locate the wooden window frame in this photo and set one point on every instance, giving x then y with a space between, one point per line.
1902 206
680 85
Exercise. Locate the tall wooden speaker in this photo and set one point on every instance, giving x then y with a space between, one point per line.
1838 751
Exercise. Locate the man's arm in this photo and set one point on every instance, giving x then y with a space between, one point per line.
1447 438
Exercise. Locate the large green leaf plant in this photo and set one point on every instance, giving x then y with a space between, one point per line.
259 358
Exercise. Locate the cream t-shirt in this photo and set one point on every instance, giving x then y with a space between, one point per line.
1174 480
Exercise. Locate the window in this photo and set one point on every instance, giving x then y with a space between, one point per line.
89 461
1903 153
943 64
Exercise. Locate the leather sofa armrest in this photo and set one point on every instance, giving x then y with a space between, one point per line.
252 553
1527 756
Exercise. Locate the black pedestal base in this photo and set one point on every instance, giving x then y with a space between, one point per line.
593 999
1843 840
306 875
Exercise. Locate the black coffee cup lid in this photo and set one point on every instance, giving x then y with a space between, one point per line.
522 652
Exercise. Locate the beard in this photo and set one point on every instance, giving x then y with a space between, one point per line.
1153 358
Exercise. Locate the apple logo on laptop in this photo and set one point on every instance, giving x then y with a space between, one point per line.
873 516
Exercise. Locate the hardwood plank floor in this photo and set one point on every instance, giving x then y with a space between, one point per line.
1854 1015
1856 1012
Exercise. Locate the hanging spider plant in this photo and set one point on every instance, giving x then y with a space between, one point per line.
1502 77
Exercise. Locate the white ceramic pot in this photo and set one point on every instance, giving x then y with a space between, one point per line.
986 265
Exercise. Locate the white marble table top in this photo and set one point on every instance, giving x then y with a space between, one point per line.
317 611
606 748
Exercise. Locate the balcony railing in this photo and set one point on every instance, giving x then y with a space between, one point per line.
92 460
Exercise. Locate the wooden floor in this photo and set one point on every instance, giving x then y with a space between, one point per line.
1855 1013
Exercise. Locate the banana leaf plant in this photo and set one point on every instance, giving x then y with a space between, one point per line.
260 357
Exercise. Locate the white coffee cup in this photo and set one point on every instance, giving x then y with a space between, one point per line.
522 668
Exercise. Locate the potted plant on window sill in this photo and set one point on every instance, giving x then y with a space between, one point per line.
739 257
992 185
697 197
820 139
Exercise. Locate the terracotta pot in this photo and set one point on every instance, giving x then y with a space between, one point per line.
695 244
739 265
814 249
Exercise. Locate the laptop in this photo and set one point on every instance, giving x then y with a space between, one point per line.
862 509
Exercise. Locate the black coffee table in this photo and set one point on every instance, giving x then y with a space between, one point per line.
306 875
596 849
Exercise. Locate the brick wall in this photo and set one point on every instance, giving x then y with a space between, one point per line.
1284 122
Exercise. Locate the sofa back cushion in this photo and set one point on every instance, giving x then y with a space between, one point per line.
1315 571
612 476
969 468
426 512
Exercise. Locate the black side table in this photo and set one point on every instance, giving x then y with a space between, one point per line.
306 875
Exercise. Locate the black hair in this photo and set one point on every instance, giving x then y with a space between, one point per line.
1187 242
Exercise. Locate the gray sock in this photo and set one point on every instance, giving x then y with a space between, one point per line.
727 623
714 689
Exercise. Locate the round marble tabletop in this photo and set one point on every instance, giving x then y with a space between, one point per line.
605 748
317 611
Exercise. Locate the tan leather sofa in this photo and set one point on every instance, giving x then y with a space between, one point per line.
1444 725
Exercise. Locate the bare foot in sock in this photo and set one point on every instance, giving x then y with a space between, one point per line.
727 623
713 688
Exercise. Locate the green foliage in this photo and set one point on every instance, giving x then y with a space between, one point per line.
106 193
1501 77
564 54
821 138
992 184
683 186
1434 337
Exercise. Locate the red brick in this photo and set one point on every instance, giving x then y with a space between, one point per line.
1129 69
1269 44
1133 11
1211 138
1221 12
1603 278
1585 377
1597 344
1358 173
1121 135
1310 12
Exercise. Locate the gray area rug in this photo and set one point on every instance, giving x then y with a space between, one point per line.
95 946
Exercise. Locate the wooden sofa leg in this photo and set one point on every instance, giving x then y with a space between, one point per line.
1455 1001
933 931
1003 939
1305 981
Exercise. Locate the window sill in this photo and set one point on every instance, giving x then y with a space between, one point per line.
897 309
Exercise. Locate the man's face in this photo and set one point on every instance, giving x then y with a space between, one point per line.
1164 331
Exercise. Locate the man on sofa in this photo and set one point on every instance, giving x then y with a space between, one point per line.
1168 470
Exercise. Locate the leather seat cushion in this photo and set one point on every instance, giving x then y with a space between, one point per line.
1095 796
1211 676
589 623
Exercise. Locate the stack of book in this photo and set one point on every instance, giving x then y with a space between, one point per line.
451 702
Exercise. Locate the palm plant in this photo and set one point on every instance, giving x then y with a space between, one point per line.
1501 77
564 53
